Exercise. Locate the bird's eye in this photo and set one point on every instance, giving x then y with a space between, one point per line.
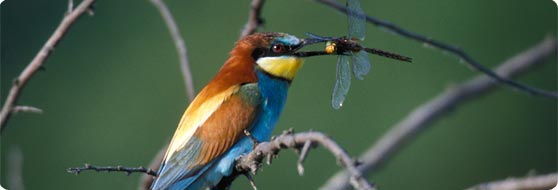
278 48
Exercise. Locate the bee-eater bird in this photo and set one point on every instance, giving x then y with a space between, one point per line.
248 93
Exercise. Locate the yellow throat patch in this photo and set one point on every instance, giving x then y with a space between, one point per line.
284 67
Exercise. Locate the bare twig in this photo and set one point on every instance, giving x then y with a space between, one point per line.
180 47
28 109
539 182
253 160
419 118
254 18
70 6
450 48
303 154
39 59
146 180
15 169
126 170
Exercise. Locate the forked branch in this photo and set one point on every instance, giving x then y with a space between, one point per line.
39 59
251 162
301 142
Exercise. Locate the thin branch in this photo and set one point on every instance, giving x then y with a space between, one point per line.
539 182
180 47
70 6
127 170
39 59
254 18
303 154
146 180
419 119
450 48
28 109
253 160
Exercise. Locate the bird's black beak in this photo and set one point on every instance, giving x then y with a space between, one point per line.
305 42
295 48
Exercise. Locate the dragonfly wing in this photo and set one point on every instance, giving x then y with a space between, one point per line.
342 83
361 64
315 36
356 20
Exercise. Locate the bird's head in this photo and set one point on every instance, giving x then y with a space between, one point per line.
271 52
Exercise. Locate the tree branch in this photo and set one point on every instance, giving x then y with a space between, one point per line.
449 48
146 180
28 109
539 182
39 59
254 18
418 120
127 170
251 162
301 143
180 47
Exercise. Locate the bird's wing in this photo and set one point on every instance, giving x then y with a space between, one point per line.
206 131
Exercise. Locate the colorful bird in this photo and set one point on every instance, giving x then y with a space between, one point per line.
248 93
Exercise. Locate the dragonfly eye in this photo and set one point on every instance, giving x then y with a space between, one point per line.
278 48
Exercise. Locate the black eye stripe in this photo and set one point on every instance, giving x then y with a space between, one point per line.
258 52
269 51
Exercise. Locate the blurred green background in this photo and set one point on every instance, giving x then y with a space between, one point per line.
112 92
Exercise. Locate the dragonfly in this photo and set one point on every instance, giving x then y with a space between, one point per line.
349 52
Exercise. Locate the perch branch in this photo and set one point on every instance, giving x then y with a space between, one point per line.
450 48
298 141
127 170
540 182
427 113
39 59
254 18
180 47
